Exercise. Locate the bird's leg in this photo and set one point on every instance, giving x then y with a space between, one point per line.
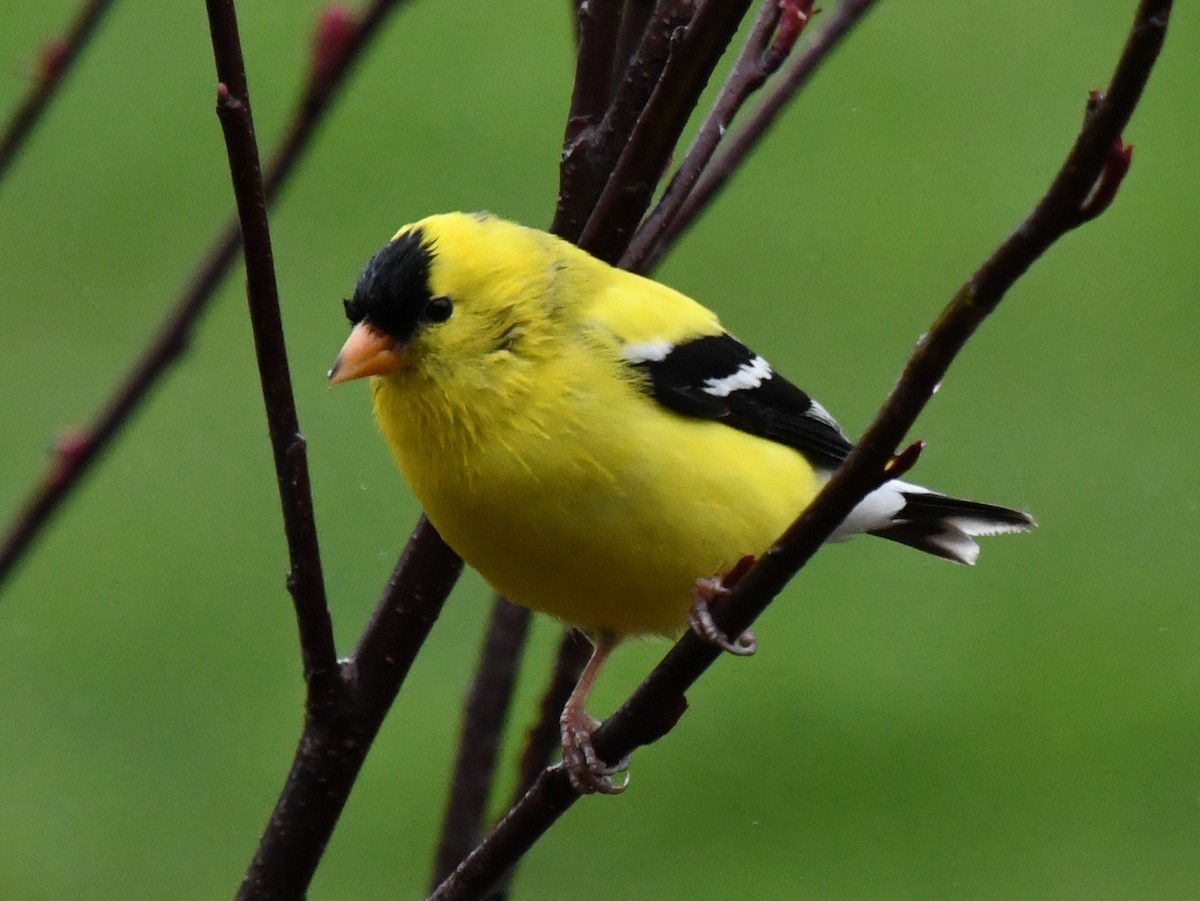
701 621
587 771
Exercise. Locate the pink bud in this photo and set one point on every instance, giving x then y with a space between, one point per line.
52 56
335 31
794 16
71 444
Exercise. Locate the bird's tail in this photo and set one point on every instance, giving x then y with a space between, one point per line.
947 526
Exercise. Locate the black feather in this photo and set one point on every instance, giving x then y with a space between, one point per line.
392 293
774 409
933 507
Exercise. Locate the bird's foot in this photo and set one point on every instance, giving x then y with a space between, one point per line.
588 773
700 620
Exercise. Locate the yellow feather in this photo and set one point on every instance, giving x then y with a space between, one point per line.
540 460
509 376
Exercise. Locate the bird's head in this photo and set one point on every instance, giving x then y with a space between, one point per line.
448 294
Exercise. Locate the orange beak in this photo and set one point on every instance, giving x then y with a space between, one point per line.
366 352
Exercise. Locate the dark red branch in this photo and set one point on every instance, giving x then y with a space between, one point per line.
597 22
591 151
543 742
634 21
411 603
1063 208
694 52
56 60
338 735
738 145
172 337
793 18
305 580
484 717
65 471
770 40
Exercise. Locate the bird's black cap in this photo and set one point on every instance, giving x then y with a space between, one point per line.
393 290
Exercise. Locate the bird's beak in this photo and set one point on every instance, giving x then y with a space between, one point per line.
366 352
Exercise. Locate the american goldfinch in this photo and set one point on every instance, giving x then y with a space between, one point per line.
594 443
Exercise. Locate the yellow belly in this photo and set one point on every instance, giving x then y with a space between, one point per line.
604 518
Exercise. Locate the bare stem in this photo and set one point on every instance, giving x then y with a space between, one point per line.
57 59
305 581
74 458
73 461
338 735
543 742
591 150
754 64
484 718
649 710
597 22
737 147
694 53
634 20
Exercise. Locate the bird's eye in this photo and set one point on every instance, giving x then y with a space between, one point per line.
438 309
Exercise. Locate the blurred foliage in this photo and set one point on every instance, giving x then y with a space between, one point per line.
1029 728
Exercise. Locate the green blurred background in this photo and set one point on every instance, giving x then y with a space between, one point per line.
1029 728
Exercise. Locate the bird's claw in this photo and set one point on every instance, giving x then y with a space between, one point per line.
588 773
701 622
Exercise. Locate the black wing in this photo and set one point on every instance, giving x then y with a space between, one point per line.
717 377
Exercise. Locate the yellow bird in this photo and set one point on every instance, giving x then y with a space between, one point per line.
594 443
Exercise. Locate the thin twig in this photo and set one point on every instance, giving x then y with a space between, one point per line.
693 56
305 580
423 577
597 23
590 154
760 57
57 59
543 742
75 456
338 735
484 717
738 145
635 17
1064 207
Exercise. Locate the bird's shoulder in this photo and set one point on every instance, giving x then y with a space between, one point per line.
680 356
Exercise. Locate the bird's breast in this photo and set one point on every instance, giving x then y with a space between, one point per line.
589 502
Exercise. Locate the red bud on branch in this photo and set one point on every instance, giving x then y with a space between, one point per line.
51 58
69 448
794 16
333 35
1120 158
902 462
